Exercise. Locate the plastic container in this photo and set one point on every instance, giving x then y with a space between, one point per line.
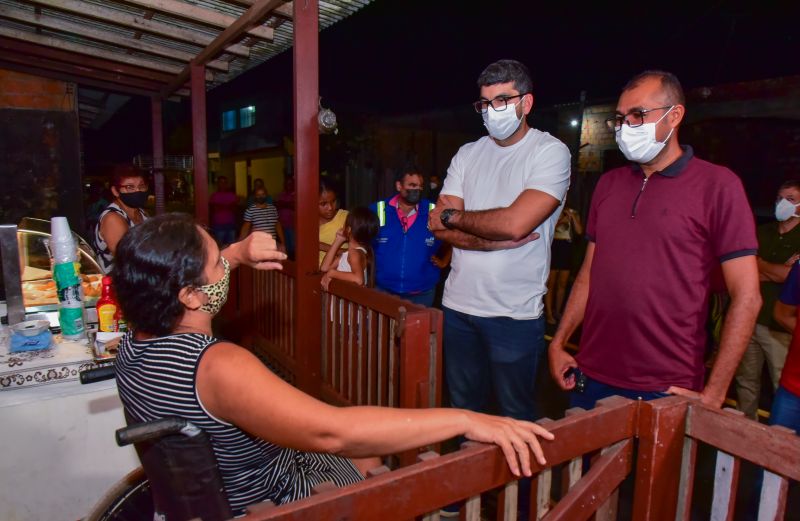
107 308
66 274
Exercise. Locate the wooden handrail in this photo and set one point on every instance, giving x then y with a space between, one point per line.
427 486
668 431
738 437
384 303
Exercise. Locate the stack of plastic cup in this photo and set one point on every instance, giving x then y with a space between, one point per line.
66 273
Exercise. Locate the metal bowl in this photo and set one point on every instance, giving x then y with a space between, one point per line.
31 327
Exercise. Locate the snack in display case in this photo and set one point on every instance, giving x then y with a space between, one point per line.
38 287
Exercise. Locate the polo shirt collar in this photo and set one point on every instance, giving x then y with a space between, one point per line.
676 168
393 202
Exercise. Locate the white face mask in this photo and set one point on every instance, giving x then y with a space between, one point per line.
640 144
503 123
784 209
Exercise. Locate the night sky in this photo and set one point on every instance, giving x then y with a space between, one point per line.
397 56
410 56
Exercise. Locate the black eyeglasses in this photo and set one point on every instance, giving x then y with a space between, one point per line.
498 104
633 119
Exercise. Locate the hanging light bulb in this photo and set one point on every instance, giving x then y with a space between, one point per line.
327 120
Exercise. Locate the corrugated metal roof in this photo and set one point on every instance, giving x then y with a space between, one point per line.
83 22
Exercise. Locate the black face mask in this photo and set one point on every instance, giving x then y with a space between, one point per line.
260 200
413 196
134 199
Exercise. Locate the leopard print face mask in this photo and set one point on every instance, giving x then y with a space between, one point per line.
217 292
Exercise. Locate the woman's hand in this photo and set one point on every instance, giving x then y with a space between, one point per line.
258 250
326 280
516 438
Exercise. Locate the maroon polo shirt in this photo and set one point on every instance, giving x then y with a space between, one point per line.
657 242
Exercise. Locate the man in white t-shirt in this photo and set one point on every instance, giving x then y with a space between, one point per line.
501 193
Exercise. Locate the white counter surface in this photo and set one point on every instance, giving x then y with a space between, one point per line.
59 455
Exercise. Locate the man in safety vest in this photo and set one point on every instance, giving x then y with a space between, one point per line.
408 259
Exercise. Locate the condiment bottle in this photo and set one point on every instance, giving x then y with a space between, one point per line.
107 308
119 320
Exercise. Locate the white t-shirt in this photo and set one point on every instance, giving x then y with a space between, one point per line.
505 283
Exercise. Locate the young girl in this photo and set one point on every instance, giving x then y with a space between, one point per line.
360 228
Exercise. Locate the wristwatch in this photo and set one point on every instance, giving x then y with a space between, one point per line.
445 217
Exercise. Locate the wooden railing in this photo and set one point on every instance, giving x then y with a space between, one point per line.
377 349
668 431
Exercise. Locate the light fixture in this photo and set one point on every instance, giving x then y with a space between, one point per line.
326 120
573 123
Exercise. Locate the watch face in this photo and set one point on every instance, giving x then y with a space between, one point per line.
445 217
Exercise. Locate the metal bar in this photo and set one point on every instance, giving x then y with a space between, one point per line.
12 277
158 152
199 144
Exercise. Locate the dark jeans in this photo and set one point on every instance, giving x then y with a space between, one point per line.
497 355
785 409
424 298
224 234
595 390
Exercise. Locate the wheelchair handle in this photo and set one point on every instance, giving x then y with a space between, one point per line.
139 432
98 374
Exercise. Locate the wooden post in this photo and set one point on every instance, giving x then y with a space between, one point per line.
199 145
414 369
306 139
658 466
158 152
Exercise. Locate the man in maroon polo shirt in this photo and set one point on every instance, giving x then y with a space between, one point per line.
656 229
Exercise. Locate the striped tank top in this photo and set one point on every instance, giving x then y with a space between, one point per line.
104 255
156 378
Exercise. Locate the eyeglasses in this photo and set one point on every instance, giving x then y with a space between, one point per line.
133 188
633 119
498 104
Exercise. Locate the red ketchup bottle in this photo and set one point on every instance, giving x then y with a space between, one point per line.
107 308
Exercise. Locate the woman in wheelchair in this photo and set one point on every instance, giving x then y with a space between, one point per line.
272 441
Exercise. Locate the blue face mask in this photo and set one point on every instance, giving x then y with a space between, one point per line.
785 209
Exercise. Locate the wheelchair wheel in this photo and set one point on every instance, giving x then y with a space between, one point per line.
128 500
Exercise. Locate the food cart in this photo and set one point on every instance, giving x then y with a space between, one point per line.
58 457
